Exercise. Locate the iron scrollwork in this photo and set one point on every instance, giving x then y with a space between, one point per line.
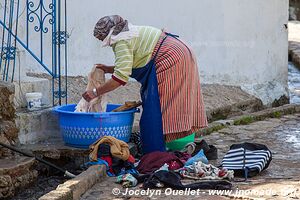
36 13
8 53
61 37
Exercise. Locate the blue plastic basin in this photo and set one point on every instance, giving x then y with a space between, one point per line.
82 129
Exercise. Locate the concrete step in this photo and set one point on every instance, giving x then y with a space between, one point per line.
31 84
37 125
55 148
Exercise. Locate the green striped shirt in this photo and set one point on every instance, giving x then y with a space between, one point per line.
134 53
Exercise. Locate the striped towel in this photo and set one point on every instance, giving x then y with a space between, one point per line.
245 159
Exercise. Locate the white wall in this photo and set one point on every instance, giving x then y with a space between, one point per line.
237 42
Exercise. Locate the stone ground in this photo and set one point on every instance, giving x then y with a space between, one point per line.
279 181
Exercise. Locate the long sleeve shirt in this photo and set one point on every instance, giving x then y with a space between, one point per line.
134 53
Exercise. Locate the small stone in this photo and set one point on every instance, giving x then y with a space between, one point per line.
5 181
226 122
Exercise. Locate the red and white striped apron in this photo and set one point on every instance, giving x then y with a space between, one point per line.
179 88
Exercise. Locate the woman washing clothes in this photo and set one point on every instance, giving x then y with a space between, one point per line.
167 69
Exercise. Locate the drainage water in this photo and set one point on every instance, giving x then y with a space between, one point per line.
294 83
292 132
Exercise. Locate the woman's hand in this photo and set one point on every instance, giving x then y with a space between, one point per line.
108 86
89 95
105 68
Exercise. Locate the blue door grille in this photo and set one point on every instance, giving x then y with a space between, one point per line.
44 27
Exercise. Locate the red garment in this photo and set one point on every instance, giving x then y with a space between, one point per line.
131 159
182 156
108 159
154 160
173 165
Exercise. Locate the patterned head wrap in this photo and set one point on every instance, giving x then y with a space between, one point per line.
105 24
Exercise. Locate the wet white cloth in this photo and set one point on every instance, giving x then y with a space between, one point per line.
96 79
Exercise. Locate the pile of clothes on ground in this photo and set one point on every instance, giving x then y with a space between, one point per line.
114 154
161 169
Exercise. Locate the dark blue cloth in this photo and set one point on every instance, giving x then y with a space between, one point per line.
151 128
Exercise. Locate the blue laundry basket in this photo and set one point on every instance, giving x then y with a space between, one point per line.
82 129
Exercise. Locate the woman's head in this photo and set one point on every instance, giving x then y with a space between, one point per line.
105 25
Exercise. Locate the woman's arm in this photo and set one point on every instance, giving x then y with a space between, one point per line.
106 68
106 87
110 85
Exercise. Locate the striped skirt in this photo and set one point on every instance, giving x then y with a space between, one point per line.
179 88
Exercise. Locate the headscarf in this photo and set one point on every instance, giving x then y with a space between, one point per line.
113 28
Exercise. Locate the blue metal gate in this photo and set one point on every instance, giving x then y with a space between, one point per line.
44 26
